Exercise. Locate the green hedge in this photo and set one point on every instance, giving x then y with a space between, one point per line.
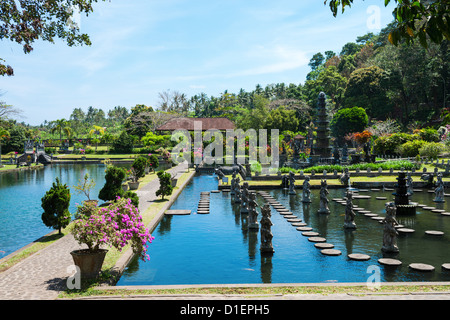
395 165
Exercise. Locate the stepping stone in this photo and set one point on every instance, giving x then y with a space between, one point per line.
370 215
428 208
389 262
359 209
290 216
310 234
405 230
361 197
417 190
399 226
330 252
445 213
446 266
283 210
336 199
317 239
203 212
381 198
434 233
304 229
323 245
299 224
358 256
226 190
285 213
421 267
177 212
363 190
377 218
438 210
215 191
294 220
374 189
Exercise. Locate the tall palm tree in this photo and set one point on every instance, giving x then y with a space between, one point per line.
97 131
60 126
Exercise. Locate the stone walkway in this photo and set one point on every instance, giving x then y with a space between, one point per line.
43 275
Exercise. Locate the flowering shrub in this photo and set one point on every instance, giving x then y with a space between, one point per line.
116 225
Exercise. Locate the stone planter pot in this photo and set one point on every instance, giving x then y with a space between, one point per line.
174 182
133 185
147 170
90 263
124 186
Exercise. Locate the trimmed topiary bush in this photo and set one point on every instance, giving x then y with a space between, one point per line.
56 203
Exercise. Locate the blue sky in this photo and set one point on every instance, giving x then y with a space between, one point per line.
143 47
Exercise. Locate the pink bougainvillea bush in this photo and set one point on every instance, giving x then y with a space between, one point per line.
116 226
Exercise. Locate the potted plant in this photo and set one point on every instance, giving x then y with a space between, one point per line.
56 203
137 171
116 226
152 162
85 187
133 184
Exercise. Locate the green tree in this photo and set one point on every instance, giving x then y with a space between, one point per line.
348 120
165 184
123 144
4 134
26 21
60 126
414 19
367 88
113 184
56 203
283 119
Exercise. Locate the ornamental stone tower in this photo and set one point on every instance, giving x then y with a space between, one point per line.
322 147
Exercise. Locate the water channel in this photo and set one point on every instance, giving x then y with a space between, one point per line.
218 248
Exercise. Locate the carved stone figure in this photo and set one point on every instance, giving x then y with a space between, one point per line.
291 183
323 197
409 182
439 191
237 191
266 230
233 183
252 213
349 222
345 177
244 198
306 192
390 233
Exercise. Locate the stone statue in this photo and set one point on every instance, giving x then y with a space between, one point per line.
345 177
306 194
244 198
233 183
266 230
349 222
291 183
323 198
219 173
252 213
285 181
439 191
410 184
237 191
390 233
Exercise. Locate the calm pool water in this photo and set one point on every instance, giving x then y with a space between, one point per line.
218 248
20 200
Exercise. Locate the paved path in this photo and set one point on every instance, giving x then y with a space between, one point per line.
43 275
